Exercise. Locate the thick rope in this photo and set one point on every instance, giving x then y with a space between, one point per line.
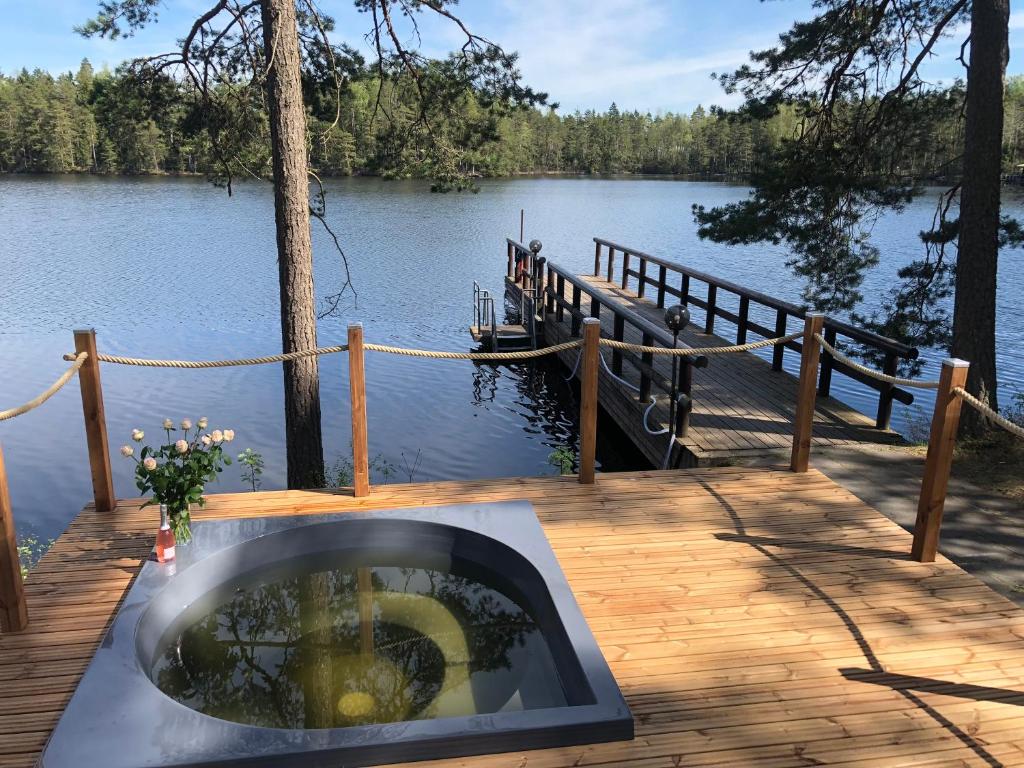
145 362
54 388
871 371
436 355
694 351
989 413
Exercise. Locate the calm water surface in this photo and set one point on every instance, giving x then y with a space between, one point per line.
323 647
175 268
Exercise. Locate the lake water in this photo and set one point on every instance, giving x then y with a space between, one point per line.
174 268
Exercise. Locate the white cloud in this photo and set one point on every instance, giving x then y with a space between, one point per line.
588 53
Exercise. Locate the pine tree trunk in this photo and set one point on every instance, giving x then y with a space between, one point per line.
305 452
974 317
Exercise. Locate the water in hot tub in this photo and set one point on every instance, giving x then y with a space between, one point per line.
334 648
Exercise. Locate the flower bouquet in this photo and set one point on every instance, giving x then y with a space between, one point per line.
177 472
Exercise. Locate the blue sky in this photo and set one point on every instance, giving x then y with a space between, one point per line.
652 55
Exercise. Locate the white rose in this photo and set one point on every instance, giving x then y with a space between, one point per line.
207 440
149 463
203 421
168 424
127 451
186 424
137 435
181 446
217 435
229 435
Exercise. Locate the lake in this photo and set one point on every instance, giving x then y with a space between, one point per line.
174 268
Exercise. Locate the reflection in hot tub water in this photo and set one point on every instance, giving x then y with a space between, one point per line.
355 646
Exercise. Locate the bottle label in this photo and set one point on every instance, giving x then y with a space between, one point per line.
169 553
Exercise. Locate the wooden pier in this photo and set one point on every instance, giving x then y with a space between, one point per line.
751 617
743 405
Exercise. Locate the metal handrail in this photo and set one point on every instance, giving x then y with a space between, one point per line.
484 312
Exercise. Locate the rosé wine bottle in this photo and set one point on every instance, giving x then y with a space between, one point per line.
164 538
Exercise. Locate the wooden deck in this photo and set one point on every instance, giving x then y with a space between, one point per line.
741 406
751 617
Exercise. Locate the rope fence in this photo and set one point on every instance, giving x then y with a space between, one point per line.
989 413
439 355
695 351
78 361
284 357
871 371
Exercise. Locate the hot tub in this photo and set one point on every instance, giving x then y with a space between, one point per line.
352 639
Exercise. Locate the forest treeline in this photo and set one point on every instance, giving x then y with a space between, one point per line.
103 122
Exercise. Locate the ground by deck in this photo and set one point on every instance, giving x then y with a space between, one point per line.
751 617
741 407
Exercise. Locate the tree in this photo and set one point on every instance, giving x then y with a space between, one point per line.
294 248
245 60
974 313
866 114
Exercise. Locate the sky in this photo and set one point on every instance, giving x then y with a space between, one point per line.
650 55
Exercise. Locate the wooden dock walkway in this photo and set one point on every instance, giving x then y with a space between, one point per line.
743 404
751 617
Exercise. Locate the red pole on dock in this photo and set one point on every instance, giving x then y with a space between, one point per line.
13 609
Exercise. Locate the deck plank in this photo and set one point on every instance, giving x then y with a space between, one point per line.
751 617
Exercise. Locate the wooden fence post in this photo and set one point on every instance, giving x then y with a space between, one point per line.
13 610
939 461
357 394
803 422
95 422
588 398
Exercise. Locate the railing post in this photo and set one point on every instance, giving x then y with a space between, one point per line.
779 349
744 317
709 318
803 422
511 260
825 379
95 422
647 358
625 270
588 398
941 442
611 264
641 284
686 390
597 259
662 276
560 289
549 290
576 298
13 609
357 395
618 333
884 415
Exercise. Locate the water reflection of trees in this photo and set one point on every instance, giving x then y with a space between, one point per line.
292 653
543 399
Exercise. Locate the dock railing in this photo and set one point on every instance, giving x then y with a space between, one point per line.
563 293
892 351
